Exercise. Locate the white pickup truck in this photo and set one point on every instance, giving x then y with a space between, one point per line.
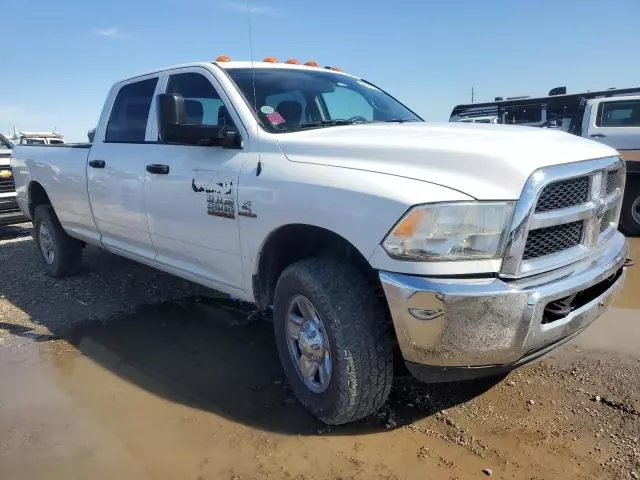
615 121
362 230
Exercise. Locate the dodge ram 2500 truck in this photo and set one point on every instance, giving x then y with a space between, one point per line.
364 231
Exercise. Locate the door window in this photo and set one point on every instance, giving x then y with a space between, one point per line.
202 102
624 113
130 112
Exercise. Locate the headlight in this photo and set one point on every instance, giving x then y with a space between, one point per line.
451 231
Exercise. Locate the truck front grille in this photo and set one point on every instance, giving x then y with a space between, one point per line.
615 179
563 194
546 241
567 210
6 184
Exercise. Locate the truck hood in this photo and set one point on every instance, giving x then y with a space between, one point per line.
487 162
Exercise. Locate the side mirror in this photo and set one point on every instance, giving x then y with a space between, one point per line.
173 125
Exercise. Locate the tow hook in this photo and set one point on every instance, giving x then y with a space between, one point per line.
629 262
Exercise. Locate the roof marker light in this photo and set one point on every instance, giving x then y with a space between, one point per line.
223 58
311 63
292 61
270 60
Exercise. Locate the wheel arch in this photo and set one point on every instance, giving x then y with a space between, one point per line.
292 242
37 196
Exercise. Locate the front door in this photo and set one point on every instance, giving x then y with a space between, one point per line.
116 170
616 123
192 205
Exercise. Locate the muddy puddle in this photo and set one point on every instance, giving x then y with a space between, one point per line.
193 389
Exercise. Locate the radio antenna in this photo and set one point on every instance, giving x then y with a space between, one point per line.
253 81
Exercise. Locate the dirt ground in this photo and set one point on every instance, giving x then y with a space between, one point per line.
124 372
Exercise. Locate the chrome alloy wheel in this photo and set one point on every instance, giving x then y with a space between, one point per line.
308 344
635 210
45 238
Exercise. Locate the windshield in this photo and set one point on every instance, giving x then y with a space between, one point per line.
291 100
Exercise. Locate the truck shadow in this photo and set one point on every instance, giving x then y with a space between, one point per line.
8 232
194 349
202 353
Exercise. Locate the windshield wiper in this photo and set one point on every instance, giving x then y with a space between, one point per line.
400 120
328 123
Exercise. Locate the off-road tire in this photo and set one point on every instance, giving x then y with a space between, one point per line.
359 335
67 250
628 224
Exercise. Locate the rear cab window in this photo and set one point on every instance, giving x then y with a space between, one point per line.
621 113
130 112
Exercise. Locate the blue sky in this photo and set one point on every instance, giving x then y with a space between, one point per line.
60 58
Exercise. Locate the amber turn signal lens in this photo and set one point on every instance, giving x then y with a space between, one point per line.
410 224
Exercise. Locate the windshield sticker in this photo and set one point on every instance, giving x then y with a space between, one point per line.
267 109
275 118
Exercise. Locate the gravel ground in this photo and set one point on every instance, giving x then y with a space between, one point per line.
108 286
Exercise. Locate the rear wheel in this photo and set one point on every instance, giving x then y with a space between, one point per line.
630 214
60 253
334 340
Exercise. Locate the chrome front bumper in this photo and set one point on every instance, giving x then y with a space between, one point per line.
488 322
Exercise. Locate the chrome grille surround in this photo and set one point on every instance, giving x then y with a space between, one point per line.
602 206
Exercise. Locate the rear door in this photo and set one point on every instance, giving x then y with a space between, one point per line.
616 122
192 203
116 168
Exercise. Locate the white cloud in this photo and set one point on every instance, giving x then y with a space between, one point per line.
111 32
241 6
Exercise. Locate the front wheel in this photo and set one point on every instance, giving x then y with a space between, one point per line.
333 339
630 214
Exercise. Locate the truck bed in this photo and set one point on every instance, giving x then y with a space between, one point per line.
61 171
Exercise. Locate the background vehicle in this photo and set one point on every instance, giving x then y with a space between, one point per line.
488 119
615 121
40 138
608 116
9 211
472 249
558 107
